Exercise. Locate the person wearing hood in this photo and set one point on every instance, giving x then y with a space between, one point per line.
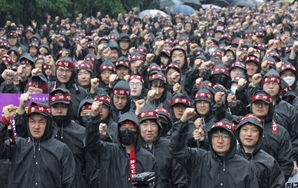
38 160
171 173
66 75
121 100
249 134
178 54
119 162
203 103
122 66
288 73
67 131
137 88
288 95
252 66
165 121
158 93
224 167
276 140
220 75
124 44
86 80
115 51
13 54
12 39
106 69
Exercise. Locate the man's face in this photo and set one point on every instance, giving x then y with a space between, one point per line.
179 110
260 109
203 108
221 142
105 76
37 125
38 64
251 68
168 75
159 88
28 69
179 56
12 41
136 87
104 113
34 90
235 72
64 74
28 35
114 55
272 88
14 57
84 78
122 71
249 135
149 130
59 109
124 45
32 51
119 101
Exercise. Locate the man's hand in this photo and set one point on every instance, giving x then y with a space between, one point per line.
24 100
35 71
198 133
219 98
151 95
102 130
8 75
294 171
112 80
139 105
94 83
256 79
232 100
96 108
188 114
177 88
241 84
8 111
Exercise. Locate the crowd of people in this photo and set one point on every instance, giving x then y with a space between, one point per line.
201 100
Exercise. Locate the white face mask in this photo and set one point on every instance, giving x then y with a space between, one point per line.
290 80
233 89
212 49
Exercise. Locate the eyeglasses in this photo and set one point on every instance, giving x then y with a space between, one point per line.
135 84
224 136
62 71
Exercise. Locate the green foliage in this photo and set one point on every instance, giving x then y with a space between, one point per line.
22 11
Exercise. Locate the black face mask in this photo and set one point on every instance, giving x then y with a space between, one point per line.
127 137
220 80
165 128
84 120
61 120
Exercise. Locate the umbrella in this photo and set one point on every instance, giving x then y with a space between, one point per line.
244 3
208 6
186 10
193 3
167 3
151 12
221 3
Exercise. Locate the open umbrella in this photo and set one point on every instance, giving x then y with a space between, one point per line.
244 3
205 6
168 3
185 9
221 3
151 12
195 4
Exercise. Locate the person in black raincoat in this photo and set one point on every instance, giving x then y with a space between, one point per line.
249 134
66 75
121 100
219 167
171 173
40 160
119 162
